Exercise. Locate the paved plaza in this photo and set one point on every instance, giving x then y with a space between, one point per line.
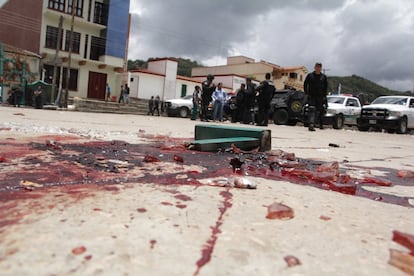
112 194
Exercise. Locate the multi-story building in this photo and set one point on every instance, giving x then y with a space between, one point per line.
98 52
283 77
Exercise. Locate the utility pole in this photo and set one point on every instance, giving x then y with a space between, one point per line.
1 71
65 102
58 45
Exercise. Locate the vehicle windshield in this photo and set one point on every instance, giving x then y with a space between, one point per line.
390 100
337 100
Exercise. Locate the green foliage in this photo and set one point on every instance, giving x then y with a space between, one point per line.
184 65
137 64
355 85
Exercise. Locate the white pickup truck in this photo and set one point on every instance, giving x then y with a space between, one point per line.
392 113
342 110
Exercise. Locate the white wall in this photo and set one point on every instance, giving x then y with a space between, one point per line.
190 87
144 85
170 80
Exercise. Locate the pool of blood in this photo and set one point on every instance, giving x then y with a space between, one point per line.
59 161
78 168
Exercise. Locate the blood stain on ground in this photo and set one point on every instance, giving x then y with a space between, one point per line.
183 197
79 250
152 243
292 260
208 247
323 217
77 168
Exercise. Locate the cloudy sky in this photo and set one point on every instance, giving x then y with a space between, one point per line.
370 38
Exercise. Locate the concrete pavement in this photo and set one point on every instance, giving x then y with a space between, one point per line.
150 226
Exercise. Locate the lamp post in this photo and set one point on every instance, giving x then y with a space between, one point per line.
58 45
1 71
65 101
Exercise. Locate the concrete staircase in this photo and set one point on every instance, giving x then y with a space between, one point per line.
135 106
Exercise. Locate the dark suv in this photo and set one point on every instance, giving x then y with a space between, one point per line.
286 107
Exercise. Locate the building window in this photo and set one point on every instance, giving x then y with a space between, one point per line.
97 48
75 42
73 79
293 75
58 5
52 37
100 15
78 9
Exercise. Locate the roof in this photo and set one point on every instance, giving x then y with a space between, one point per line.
145 71
15 50
292 68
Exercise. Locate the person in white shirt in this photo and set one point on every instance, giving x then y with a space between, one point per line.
219 97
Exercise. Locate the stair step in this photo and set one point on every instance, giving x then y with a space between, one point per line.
244 143
213 131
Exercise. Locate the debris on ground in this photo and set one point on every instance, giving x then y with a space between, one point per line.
279 211
292 260
400 259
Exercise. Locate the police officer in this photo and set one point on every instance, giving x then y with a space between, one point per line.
266 90
316 88
249 101
208 88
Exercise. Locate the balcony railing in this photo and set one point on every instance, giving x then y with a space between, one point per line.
100 15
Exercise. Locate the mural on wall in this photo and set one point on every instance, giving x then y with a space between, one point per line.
17 69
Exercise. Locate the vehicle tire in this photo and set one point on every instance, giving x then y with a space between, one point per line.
184 112
402 126
280 117
338 122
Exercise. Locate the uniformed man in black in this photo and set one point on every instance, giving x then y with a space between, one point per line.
266 90
316 88
249 101
208 88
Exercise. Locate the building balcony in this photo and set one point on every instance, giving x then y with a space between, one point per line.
53 16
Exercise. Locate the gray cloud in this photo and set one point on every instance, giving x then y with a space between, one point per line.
369 38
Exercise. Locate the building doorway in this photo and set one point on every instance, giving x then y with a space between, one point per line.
97 85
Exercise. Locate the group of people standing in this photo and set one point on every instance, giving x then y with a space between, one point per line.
154 105
123 96
203 96
248 95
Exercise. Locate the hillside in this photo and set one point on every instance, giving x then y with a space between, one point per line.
355 84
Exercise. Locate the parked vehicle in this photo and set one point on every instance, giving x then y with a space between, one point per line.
342 110
392 113
286 107
182 107
179 107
